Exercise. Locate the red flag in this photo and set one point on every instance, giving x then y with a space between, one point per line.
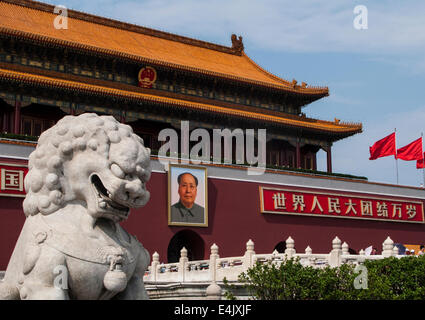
413 151
420 163
382 148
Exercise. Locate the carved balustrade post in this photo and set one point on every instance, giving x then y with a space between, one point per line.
248 257
213 262
335 254
345 249
387 247
182 264
154 266
395 251
309 252
290 248
361 257
213 291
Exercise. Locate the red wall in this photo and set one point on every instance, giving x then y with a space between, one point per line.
12 219
234 218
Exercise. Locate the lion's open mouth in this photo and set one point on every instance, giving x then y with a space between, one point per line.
105 201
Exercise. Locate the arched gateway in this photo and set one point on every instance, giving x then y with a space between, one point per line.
188 239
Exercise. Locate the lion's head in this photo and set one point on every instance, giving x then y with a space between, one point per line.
91 160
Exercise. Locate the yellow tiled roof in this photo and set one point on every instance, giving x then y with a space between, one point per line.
33 20
47 81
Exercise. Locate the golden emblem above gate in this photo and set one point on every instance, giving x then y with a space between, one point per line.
147 77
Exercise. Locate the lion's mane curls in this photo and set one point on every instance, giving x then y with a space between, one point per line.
44 182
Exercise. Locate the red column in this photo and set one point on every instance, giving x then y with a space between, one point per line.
298 154
122 117
329 158
5 125
17 117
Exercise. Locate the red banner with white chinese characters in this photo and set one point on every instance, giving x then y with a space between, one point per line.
324 204
12 179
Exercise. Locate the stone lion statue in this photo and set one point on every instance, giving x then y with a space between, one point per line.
84 176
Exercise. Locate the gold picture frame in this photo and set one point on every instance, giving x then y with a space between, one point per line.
187 196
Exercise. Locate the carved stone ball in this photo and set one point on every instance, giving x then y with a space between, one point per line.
115 281
213 291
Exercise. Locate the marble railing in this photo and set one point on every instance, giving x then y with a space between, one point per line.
216 269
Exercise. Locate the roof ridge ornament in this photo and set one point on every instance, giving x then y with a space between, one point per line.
237 44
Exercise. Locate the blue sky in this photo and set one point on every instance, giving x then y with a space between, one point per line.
375 76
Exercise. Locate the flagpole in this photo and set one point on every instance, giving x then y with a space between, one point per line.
423 162
396 160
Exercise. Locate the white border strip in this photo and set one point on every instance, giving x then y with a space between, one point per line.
13 157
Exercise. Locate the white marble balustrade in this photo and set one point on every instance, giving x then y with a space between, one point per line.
216 269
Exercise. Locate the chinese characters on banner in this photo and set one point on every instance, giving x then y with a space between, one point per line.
12 180
297 202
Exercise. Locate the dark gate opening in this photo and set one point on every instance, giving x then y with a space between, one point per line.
188 239
280 247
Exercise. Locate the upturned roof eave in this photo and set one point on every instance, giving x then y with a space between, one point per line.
56 83
308 92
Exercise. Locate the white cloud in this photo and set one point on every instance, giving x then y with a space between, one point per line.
394 29
312 26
